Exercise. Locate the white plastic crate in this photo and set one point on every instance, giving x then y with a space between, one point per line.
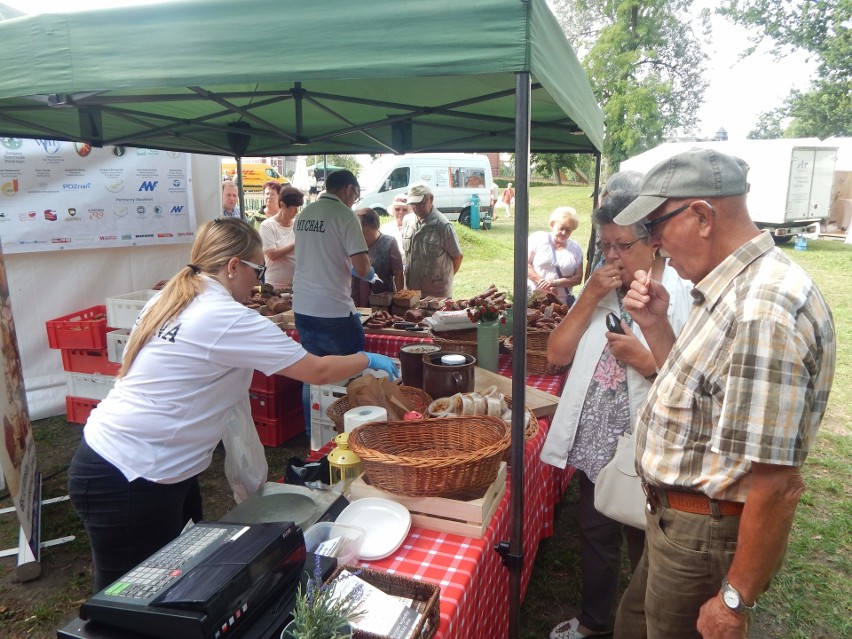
91 386
116 341
123 310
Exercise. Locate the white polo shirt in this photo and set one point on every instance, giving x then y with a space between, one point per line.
163 420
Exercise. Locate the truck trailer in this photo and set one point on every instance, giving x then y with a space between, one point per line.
790 180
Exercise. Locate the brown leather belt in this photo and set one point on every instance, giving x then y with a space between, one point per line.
695 503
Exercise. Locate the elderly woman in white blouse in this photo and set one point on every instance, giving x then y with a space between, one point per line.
555 261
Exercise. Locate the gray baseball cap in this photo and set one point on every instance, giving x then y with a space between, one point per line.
694 173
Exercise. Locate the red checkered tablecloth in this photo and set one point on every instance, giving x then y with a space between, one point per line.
474 583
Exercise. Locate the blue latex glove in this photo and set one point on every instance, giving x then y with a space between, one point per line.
369 277
382 363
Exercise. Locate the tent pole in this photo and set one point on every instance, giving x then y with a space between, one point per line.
239 174
514 558
591 250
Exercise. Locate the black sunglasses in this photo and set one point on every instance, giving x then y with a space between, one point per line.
654 224
259 270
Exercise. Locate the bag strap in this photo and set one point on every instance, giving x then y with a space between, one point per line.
553 253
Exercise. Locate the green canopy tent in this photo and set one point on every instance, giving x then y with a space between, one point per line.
376 76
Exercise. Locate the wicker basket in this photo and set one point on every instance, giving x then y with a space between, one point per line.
416 396
425 596
437 457
537 363
463 341
537 339
529 432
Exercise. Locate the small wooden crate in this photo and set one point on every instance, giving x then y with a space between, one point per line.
468 518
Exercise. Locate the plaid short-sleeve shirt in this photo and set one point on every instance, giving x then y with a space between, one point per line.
747 380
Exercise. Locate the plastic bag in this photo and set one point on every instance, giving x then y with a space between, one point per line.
245 459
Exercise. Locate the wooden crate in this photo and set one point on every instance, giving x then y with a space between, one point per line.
467 518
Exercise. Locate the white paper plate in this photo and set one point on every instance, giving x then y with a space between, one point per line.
385 522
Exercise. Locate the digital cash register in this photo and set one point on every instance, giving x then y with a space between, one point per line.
211 582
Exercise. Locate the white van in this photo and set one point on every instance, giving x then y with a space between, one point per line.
454 179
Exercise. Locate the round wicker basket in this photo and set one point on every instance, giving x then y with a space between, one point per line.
537 363
419 398
437 457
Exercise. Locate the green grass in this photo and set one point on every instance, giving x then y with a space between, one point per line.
811 597
488 255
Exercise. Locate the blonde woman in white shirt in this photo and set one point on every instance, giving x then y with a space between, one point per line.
188 363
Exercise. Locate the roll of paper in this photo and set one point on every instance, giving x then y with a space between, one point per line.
362 415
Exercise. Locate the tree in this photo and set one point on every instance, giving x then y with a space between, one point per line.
580 164
769 125
644 64
821 27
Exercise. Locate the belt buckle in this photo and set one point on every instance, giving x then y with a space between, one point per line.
652 501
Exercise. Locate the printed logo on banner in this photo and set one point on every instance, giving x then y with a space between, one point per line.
119 151
72 212
140 210
115 187
76 186
107 238
177 210
149 185
121 211
9 188
82 149
51 147
164 235
96 214
50 215
176 184
12 143
173 154
158 210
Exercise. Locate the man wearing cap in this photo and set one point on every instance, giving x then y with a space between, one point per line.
432 251
726 427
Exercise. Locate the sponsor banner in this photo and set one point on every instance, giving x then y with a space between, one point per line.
66 195
17 451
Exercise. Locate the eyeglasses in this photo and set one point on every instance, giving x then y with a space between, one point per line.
258 270
653 227
618 247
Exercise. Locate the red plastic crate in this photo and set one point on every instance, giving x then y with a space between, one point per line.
88 360
78 408
270 383
83 329
275 405
274 432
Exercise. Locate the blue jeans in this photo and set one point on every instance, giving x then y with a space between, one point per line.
327 336
127 522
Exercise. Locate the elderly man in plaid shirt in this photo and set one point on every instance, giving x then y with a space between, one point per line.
740 394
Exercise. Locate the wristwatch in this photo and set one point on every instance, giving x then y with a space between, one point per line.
733 599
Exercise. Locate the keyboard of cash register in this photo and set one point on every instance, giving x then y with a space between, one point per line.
208 583
156 573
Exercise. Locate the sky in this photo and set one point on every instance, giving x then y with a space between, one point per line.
739 89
